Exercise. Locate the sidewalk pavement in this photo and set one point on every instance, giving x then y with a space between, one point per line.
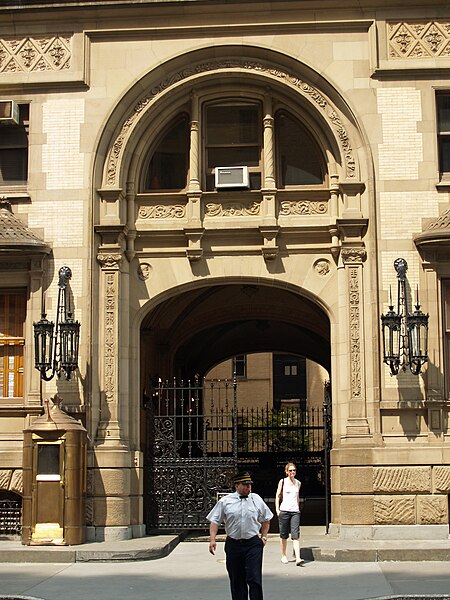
189 572
316 545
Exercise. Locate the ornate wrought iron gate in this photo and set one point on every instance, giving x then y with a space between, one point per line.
192 452
198 438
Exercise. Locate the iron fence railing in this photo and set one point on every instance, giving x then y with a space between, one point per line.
10 517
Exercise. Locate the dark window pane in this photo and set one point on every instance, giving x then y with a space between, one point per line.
299 156
168 166
13 165
445 154
48 459
232 124
233 157
443 102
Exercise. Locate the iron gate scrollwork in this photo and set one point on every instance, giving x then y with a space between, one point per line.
192 454
197 438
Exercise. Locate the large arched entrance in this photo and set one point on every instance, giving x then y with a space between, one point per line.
199 429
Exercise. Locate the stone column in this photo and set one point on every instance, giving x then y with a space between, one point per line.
357 424
109 429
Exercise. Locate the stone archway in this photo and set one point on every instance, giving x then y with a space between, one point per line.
182 338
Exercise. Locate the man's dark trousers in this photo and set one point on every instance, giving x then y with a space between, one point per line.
244 566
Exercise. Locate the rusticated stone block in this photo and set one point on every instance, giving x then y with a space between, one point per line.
394 510
5 478
357 510
402 479
16 484
111 512
432 510
356 479
112 482
441 478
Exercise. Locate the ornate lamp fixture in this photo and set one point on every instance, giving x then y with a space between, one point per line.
405 335
56 347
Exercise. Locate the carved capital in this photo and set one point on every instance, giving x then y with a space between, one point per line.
353 255
110 260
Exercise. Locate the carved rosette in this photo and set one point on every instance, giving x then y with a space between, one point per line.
288 78
51 53
232 209
427 39
303 207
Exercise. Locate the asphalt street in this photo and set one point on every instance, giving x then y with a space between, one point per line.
190 572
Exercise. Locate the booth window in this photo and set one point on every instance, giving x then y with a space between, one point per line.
12 319
299 158
48 462
443 131
168 164
14 149
233 134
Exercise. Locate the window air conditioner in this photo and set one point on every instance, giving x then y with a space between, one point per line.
9 112
231 177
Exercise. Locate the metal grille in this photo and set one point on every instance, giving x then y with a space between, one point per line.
197 439
10 514
192 451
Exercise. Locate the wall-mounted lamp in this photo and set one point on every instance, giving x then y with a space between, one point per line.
56 348
405 335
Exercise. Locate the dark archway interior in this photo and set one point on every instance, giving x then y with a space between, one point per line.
199 328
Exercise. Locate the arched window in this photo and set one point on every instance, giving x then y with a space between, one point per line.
299 159
168 166
233 133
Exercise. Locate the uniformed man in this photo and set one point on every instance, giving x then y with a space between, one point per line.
247 520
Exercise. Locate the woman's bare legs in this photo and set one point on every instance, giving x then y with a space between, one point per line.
283 545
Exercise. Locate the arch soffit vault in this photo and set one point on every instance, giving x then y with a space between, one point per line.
184 73
314 303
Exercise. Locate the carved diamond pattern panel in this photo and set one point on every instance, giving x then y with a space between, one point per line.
52 53
419 40
5 478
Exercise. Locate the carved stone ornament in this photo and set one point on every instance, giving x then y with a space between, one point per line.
110 260
303 207
322 267
355 332
110 328
428 39
24 55
304 87
160 211
144 271
394 510
353 255
232 209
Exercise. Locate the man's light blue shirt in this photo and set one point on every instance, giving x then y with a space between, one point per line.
242 517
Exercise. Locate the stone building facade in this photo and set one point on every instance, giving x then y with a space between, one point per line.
339 115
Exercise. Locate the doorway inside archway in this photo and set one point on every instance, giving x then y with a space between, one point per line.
225 382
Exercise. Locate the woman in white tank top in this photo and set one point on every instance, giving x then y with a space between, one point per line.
287 505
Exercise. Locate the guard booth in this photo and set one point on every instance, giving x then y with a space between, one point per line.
54 480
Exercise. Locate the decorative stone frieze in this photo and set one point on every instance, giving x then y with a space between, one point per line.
314 95
47 53
418 39
232 209
303 207
401 479
394 510
432 510
161 211
441 478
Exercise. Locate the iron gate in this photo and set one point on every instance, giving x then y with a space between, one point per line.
198 437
